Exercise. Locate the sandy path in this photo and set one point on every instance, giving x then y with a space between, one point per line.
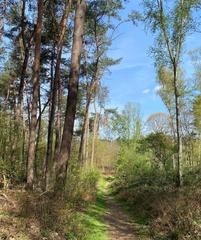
120 225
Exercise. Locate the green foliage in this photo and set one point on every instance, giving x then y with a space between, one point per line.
106 153
192 176
137 169
197 113
77 216
127 124
81 183
171 23
162 147
142 160
12 158
128 162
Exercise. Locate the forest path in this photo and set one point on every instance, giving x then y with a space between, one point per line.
120 225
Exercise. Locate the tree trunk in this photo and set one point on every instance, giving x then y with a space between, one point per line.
94 134
55 84
59 120
179 177
84 131
3 9
57 75
26 49
38 124
53 94
28 105
36 85
72 94
90 89
87 141
22 82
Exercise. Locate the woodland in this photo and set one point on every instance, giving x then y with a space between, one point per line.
72 168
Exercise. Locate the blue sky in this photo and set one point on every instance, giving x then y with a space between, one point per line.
134 79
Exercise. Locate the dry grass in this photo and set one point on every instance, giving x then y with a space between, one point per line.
179 216
31 216
170 213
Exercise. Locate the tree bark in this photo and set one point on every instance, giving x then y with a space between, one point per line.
87 141
26 49
28 105
22 83
55 84
57 75
65 149
174 55
84 132
94 133
53 93
90 90
38 124
36 85
179 177
3 9
59 120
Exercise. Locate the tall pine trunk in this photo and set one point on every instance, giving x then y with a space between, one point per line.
36 85
58 77
22 83
65 149
55 85
25 48
52 107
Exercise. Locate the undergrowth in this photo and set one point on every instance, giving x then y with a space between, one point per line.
169 213
40 216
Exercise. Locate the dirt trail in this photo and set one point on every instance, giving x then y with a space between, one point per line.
120 225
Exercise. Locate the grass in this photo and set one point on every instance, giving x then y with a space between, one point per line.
29 216
90 221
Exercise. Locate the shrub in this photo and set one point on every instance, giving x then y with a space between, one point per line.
81 184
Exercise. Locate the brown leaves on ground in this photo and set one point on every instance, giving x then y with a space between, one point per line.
29 216
171 213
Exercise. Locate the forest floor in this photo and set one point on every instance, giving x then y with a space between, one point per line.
120 225
27 216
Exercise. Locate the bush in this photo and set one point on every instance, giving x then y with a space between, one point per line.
141 172
81 184
178 217
192 176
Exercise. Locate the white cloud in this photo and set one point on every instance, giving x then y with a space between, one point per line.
157 88
146 91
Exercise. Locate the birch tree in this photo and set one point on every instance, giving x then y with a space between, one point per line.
171 23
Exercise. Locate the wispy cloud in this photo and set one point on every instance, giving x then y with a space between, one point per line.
146 91
130 66
157 88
